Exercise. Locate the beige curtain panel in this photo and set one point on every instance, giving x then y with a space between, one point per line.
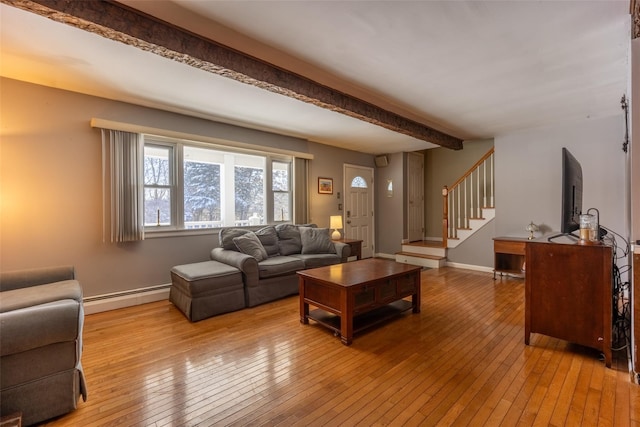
123 186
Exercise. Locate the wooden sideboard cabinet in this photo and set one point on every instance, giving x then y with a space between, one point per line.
568 293
509 255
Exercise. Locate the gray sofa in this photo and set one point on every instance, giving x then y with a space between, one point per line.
270 257
41 320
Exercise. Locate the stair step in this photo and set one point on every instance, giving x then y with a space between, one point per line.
420 248
423 260
425 243
417 255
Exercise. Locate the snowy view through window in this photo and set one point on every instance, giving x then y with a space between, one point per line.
218 188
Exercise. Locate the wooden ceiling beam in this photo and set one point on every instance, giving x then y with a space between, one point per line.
121 23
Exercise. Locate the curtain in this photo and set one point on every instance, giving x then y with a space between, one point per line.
301 191
123 185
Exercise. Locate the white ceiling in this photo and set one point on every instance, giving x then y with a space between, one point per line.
473 69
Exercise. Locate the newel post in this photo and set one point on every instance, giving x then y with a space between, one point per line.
445 215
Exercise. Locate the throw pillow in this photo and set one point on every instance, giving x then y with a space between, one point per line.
227 235
249 244
288 239
269 239
316 241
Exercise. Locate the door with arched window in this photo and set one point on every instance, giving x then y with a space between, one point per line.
358 207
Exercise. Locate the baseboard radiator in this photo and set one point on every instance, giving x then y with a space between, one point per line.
113 301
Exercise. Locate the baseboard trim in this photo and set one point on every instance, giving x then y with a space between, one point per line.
116 300
383 255
469 267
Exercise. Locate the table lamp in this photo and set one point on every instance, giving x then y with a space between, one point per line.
335 222
531 228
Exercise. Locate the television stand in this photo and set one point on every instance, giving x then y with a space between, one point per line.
568 293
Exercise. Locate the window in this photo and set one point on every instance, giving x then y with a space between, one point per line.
158 185
280 185
191 186
358 182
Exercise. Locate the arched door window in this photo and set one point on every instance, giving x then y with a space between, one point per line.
358 182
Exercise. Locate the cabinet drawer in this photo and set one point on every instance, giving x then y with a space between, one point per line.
364 297
406 285
387 290
507 247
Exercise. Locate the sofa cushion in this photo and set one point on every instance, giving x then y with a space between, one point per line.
316 241
318 260
269 238
289 239
227 235
249 244
279 265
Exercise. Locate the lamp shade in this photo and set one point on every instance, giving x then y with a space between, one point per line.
335 222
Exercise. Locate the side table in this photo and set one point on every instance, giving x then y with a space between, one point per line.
356 247
509 255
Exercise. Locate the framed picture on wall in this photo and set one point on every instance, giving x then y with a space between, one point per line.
325 185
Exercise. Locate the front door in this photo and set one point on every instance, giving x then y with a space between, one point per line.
358 206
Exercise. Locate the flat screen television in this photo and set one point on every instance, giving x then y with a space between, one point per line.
571 193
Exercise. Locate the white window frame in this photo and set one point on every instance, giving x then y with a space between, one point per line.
177 191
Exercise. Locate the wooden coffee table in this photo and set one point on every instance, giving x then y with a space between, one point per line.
355 295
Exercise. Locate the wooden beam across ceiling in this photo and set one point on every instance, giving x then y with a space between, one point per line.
121 23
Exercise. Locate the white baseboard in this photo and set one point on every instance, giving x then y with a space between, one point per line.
383 255
118 300
469 267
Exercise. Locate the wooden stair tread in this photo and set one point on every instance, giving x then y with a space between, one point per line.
413 254
425 244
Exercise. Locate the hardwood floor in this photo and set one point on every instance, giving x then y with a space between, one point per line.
461 361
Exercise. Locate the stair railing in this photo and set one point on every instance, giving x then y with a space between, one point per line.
465 199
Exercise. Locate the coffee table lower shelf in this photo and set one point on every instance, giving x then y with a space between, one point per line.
364 320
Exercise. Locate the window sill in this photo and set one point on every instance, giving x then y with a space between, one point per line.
155 234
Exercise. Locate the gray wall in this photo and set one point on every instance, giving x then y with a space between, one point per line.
51 192
477 250
390 211
529 172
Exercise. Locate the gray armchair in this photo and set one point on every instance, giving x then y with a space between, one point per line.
41 320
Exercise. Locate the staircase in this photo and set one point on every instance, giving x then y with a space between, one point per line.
425 253
468 205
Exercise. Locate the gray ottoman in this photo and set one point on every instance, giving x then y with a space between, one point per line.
204 289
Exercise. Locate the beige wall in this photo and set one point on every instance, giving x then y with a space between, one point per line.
328 163
50 187
390 211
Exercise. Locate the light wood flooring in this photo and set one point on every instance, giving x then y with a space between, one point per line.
461 361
